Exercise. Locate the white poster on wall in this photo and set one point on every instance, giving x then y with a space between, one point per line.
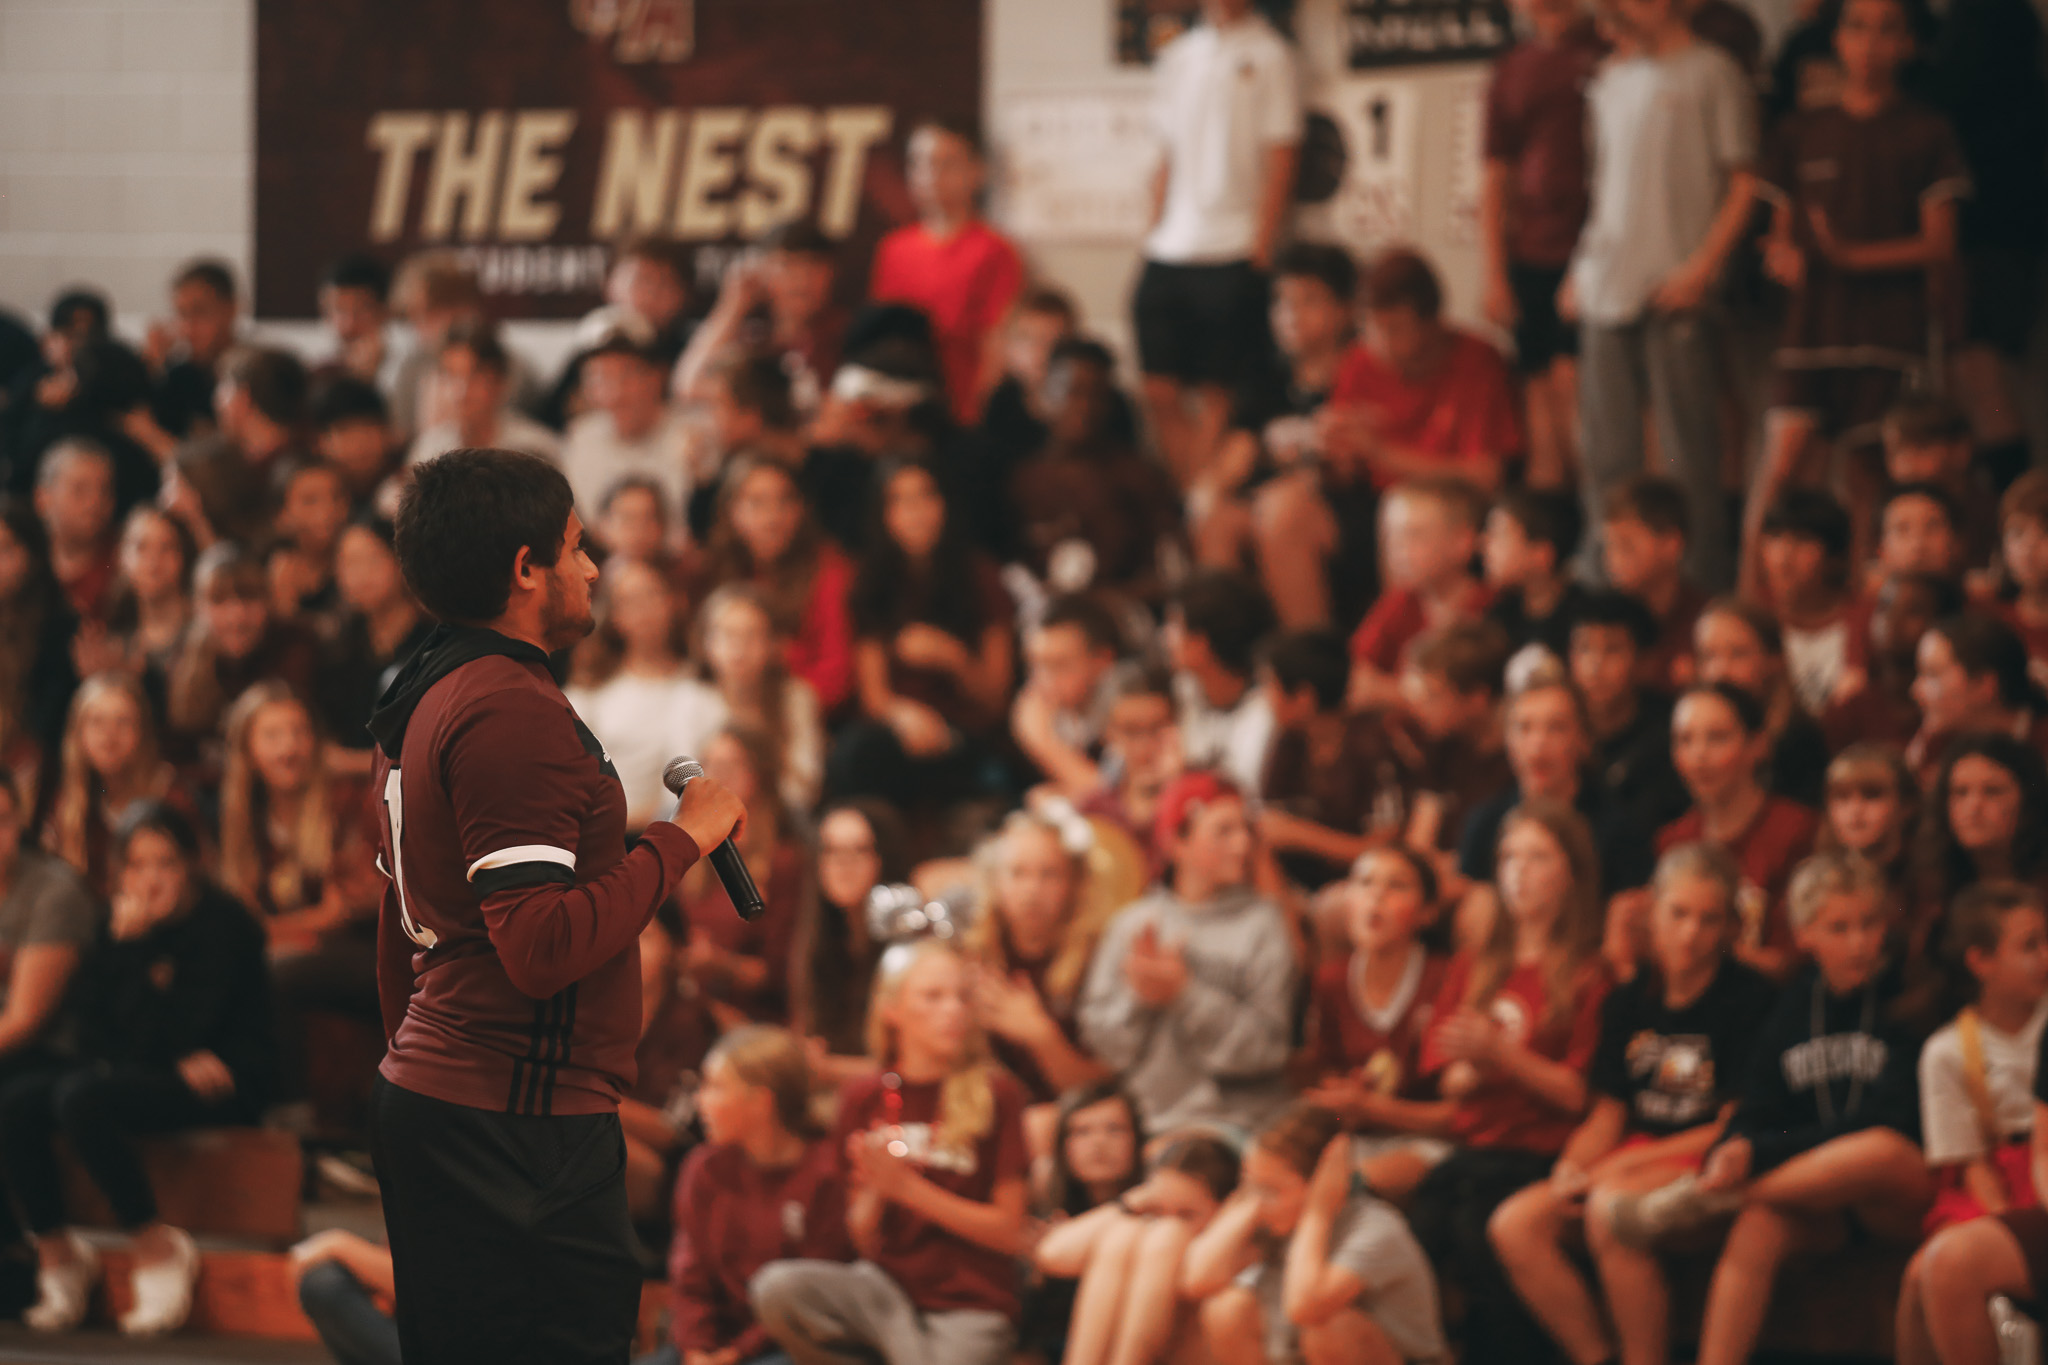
1468 161
1075 166
1375 200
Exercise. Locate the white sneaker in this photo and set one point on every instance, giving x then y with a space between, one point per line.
64 1293
163 1291
1640 1220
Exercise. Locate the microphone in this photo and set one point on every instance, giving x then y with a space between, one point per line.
725 859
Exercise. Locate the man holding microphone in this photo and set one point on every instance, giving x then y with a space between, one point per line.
509 965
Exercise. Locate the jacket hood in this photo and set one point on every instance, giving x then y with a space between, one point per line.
445 649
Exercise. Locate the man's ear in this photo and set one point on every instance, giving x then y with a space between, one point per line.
523 574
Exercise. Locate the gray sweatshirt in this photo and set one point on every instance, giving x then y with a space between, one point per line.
1214 1054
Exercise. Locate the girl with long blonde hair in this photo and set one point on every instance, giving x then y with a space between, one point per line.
110 762
933 1149
278 823
1043 909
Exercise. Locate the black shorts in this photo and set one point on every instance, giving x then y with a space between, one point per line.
1202 324
1541 336
510 1239
1847 404
2002 297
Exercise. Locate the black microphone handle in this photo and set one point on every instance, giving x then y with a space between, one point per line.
738 882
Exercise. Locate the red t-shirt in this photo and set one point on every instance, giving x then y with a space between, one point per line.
1536 126
1501 1113
733 1217
711 917
1464 413
941 1270
964 283
821 653
1766 852
1384 1053
1400 615
509 940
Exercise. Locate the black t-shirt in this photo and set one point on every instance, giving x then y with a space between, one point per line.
1674 1069
1627 848
1276 410
184 398
1634 765
1553 632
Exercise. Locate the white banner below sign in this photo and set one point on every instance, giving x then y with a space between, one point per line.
1075 166
1375 202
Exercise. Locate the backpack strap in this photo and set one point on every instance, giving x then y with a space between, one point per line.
1976 1077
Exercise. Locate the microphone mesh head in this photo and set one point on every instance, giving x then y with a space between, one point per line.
680 771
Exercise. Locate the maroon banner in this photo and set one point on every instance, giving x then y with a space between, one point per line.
534 135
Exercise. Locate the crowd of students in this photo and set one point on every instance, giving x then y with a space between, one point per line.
1241 856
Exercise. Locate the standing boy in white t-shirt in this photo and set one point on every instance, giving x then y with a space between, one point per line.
1228 114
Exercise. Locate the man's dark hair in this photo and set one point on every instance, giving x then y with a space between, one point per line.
656 251
800 237
1933 492
1403 279
1656 502
65 311
1926 419
215 275
1136 678
275 381
758 383
1613 608
1043 298
1549 516
1810 514
1328 264
346 398
360 271
1088 615
157 817
1087 350
1230 612
966 130
1472 656
480 339
464 520
1310 658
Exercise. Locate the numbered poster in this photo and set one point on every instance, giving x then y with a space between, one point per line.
1375 200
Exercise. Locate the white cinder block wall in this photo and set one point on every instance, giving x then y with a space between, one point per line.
126 143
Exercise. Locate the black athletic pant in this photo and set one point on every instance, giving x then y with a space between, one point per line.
510 1239
99 1110
1448 1214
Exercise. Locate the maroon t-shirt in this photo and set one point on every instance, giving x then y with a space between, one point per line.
941 1270
1766 852
509 962
1385 1053
1536 124
733 1217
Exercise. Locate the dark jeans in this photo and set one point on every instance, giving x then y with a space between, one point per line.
351 1326
510 1239
1448 1214
99 1110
